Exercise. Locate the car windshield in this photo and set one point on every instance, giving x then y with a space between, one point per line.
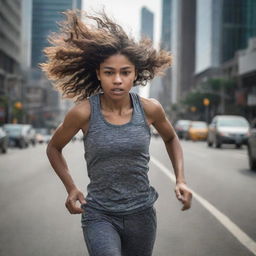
198 125
184 123
13 129
233 122
42 131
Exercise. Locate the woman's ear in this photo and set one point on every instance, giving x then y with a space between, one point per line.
98 74
136 75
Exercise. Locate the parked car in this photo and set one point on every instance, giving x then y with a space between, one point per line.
30 131
18 135
42 135
228 129
198 130
3 141
40 138
252 146
181 128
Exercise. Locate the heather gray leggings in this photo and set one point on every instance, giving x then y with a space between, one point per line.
119 235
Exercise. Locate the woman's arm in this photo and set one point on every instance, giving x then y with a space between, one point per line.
76 119
158 119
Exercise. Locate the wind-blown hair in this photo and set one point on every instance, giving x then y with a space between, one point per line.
77 50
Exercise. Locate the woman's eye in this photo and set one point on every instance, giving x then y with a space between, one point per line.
108 72
126 73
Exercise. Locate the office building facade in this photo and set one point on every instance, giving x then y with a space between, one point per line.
183 48
147 23
49 109
166 86
10 75
146 30
223 27
45 15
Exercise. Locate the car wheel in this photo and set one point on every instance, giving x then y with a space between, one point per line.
217 143
238 146
22 144
252 162
209 143
4 150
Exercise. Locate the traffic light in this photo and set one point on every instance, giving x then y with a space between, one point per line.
18 105
206 102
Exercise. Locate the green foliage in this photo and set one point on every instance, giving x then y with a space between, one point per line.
195 98
216 84
3 101
211 90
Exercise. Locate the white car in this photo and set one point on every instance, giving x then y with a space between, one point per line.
228 129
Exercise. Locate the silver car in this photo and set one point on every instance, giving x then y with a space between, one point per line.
18 135
252 146
228 129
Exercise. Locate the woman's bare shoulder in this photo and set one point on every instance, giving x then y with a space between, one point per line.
80 112
151 106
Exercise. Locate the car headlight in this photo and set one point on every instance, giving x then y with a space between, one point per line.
226 134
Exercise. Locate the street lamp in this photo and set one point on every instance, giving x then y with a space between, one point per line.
18 105
206 103
10 81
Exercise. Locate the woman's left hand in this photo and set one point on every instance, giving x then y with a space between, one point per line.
183 194
73 196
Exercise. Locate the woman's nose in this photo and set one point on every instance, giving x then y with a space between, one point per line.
117 79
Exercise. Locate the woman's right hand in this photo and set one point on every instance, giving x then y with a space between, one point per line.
71 202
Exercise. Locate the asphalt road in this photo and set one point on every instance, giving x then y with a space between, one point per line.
34 220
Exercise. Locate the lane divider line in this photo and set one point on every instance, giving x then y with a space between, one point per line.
239 234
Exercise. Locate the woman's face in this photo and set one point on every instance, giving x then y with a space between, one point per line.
116 74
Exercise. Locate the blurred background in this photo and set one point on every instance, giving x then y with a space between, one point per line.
212 42
209 95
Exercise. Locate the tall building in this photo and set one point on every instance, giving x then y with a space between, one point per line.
242 69
166 25
147 30
178 37
46 14
10 75
166 87
183 48
43 103
238 26
223 27
147 23
26 26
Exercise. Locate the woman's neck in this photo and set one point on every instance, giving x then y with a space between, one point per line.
119 105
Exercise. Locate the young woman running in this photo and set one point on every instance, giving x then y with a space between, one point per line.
97 64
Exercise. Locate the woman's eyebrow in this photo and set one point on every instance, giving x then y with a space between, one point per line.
126 67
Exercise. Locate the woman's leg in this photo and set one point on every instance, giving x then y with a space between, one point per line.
139 233
101 237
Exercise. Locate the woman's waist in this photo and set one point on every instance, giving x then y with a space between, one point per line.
123 205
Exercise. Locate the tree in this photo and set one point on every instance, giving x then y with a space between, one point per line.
216 90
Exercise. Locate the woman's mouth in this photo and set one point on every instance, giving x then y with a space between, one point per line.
117 91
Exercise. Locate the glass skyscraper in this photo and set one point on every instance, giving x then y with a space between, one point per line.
46 14
223 27
238 25
165 93
147 23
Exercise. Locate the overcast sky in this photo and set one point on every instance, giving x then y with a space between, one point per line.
127 13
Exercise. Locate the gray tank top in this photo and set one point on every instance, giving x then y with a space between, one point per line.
117 159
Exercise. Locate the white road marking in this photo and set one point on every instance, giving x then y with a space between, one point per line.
239 234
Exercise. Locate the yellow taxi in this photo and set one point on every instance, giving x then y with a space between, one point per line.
198 130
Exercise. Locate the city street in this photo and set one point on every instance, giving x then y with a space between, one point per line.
221 222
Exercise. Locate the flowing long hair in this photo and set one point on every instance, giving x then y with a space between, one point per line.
85 41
